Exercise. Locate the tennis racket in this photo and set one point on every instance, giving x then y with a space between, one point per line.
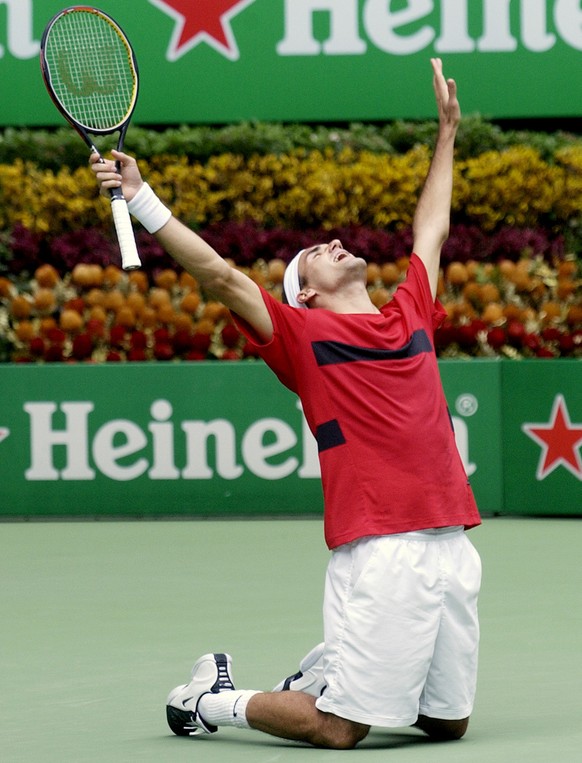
90 72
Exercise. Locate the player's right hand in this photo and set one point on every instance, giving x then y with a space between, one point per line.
108 176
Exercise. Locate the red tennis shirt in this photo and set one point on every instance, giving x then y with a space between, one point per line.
373 398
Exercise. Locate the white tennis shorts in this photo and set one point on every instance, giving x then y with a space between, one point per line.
401 628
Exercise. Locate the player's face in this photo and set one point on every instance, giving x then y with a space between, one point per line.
327 264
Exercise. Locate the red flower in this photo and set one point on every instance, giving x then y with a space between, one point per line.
137 354
195 355
445 335
36 347
138 340
54 353
82 347
56 336
162 336
531 341
551 334
163 351
566 344
201 342
515 333
496 337
182 341
231 354
95 328
230 335
467 336
117 335
77 304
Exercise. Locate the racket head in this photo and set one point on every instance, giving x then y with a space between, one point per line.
90 71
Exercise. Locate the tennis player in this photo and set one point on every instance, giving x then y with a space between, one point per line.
400 603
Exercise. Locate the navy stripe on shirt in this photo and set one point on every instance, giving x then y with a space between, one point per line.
329 435
330 353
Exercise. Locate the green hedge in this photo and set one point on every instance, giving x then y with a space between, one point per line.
52 149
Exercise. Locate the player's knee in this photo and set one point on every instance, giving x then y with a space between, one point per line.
340 734
346 738
443 730
456 729
349 737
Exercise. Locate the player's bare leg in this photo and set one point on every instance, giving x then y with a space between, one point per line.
293 715
309 679
210 700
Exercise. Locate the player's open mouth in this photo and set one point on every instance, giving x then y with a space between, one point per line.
340 256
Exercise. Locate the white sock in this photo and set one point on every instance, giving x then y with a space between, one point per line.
227 708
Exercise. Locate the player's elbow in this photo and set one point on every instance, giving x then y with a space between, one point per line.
432 233
218 284
226 285
428 247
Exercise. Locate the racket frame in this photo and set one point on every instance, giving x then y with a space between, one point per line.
129 255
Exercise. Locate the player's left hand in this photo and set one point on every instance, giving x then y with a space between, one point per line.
446 96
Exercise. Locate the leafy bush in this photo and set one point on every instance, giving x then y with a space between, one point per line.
55 148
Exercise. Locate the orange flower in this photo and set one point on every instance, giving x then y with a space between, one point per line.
456 274
71 321
45 301
47 276
166 279
190 303
20 307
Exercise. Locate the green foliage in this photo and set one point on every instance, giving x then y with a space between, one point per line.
52 149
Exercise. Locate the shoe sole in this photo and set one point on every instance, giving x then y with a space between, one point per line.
180 721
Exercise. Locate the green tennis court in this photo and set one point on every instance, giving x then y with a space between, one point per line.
99 620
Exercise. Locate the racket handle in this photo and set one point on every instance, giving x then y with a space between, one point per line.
129 257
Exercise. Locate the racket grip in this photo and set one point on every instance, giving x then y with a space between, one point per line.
129 256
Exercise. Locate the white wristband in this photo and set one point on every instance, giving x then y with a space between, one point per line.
148 209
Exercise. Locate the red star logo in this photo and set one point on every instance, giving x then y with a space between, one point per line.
560 441
202 21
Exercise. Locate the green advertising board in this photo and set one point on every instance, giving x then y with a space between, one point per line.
543 426
197 439
203 61
473 392
190 439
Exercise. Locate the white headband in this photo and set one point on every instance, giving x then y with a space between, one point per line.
291 284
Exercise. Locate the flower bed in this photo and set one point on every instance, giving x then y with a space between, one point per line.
514 294
304 189
511 281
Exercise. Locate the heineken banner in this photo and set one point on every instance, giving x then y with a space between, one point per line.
543 428
220 61
196 439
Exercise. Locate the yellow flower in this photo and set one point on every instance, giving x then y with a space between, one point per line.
309 188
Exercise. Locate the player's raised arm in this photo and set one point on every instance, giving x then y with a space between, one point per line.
226 284
432 218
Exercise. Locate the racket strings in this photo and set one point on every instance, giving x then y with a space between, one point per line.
91 70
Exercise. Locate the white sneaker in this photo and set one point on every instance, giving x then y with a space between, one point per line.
211 673
309 678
